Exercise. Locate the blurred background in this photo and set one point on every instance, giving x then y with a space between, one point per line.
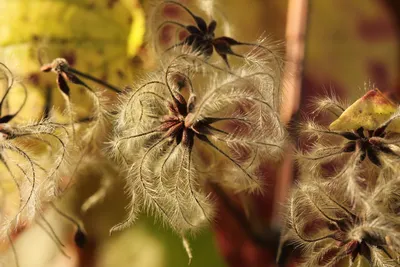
330 46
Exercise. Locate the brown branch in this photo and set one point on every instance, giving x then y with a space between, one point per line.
267 239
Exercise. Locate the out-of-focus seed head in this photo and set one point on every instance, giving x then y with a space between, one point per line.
32 156
173 26
354 157
329 230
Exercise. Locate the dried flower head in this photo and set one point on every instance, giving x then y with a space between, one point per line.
358 145
31 156
173 25
182 127
331 231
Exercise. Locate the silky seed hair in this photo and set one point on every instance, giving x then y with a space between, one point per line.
385 200
354 158
261 61
326 160
329 230
166 19
32 156
93 122
91 127
184 27
331 104
174 122
344 210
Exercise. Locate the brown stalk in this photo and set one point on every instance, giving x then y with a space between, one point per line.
292 81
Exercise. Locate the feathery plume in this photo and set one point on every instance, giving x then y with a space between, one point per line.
361 142
173 25
330 230
182 127
32 156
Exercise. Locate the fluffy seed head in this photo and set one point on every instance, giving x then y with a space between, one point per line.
330 231
353 157
182 128
31 158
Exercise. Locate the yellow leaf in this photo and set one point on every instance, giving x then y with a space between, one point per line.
369 112
98 37
136 34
